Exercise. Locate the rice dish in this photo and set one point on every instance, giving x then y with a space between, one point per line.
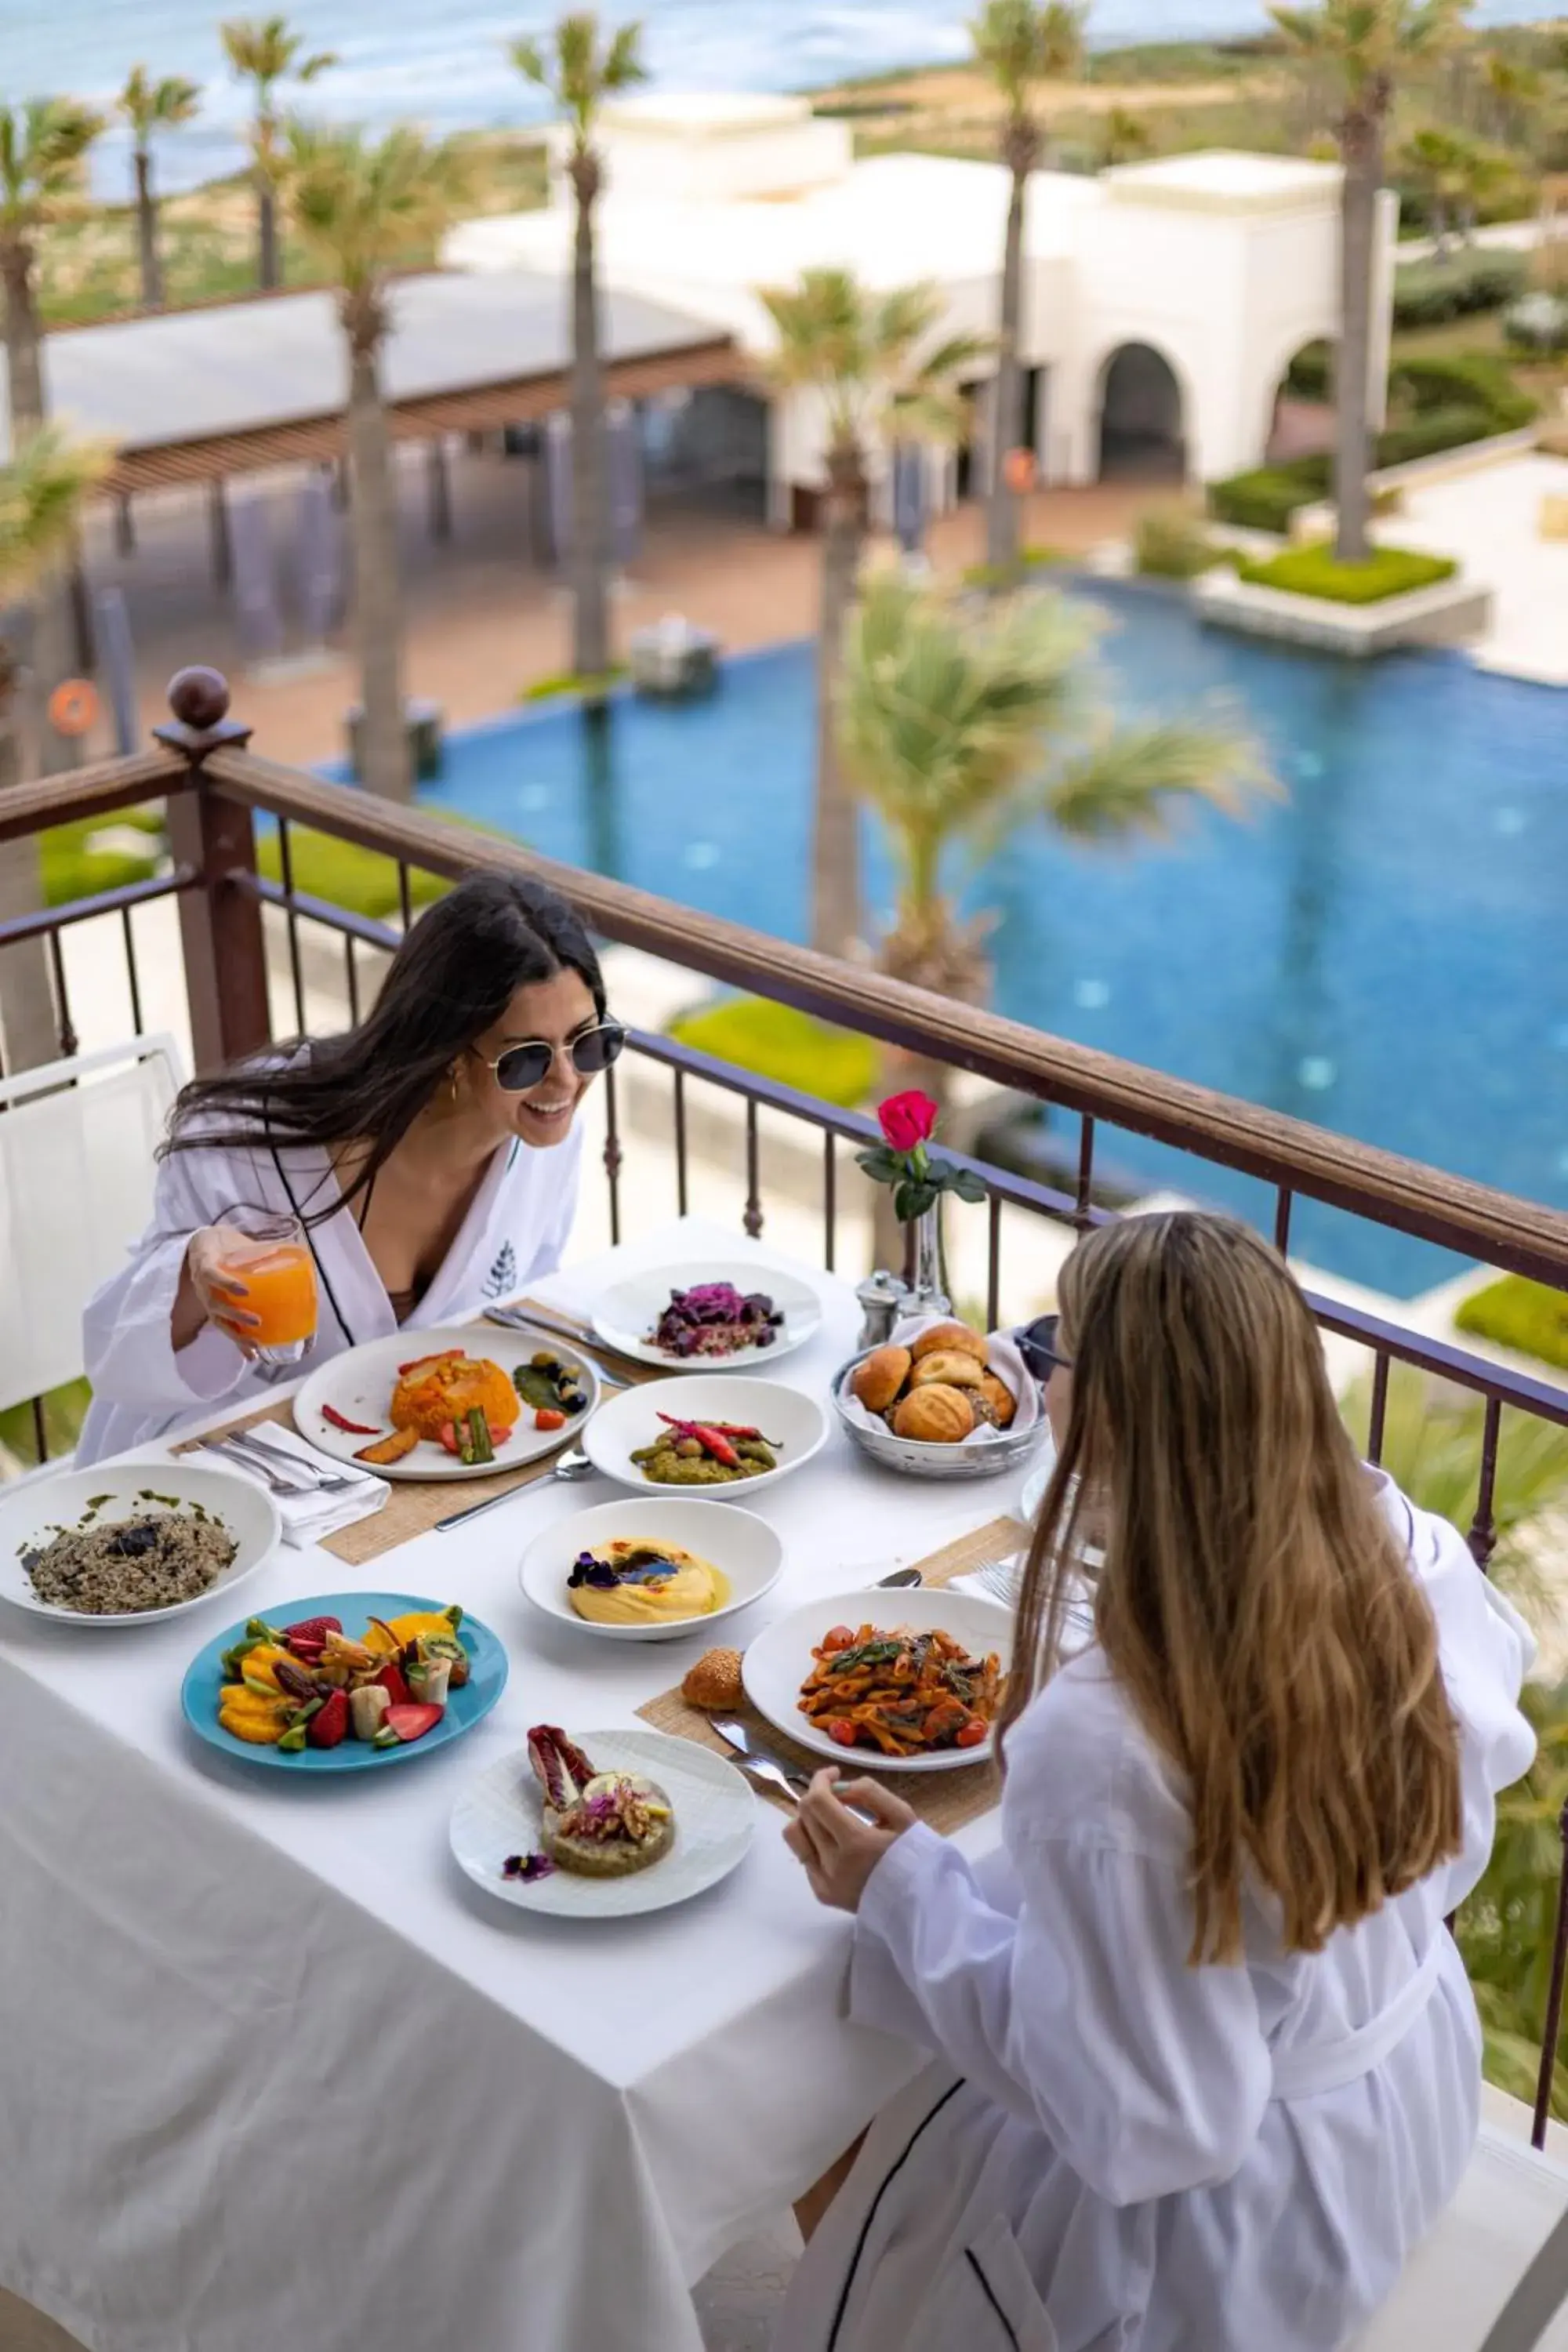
166 1553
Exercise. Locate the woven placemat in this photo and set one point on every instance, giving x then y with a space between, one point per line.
945 1799
413 1505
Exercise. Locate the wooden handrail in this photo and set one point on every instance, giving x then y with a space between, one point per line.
1477 1220
97 791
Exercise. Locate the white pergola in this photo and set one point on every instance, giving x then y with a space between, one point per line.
1163 302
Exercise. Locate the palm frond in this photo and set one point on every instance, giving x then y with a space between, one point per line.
43 144
1138 779
364 204
148 105
1020 42
42 490
529 59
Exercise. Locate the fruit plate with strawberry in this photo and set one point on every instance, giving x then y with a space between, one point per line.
344 1682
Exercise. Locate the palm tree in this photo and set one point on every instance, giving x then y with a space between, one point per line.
961 722
151 106
869 361
1363 46
363 206
579 70
41 493
43 145
262 49
1433 161
1125 138
1019 42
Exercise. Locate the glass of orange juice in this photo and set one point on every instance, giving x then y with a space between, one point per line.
270 1257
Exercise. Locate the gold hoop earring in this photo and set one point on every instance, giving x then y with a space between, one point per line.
452 1084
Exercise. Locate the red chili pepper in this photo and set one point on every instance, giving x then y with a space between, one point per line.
713 1441
350 1428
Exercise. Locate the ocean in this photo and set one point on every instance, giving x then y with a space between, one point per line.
444 66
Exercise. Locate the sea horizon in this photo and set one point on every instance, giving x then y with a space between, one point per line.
451 74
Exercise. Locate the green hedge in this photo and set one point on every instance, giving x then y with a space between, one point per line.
72 870
1314 571
1437 429
774 1042
1267 498
1171 543
1525 1315
1310 375
1429 293
359 880
1475 379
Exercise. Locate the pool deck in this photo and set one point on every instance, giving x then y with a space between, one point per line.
1491 518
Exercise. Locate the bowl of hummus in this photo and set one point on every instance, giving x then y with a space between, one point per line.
654 1570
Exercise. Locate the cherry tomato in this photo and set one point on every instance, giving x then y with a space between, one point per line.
844 1733
838 1637
547 1417
973 1734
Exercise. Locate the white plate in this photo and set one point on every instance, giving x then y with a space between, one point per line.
627 1423
359 1385
627 1312
780 1659
740 1545
497 1814
128 1490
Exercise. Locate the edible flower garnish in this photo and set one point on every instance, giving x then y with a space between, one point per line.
527 1867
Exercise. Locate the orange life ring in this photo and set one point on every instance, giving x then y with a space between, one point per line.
73 707
1019 471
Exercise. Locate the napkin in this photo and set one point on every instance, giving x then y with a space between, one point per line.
308 1517
1006 1362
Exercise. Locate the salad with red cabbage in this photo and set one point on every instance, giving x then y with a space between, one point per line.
714 1318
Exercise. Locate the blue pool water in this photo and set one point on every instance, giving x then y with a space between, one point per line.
1383 953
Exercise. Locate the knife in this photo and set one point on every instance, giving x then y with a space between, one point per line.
760 1762
563 1326
512 1319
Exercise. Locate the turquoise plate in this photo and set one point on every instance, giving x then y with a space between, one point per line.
486 1680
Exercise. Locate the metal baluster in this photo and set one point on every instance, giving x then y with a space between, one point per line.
130 972
1553 1995
1379 1412
613 1156
66 1034
353 978
829 1198
1283 1199
405 897
40 1432
1084 1171
1483 1531
680 1185
286 864
754 1218
994 1263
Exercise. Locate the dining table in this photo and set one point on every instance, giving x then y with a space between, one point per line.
275 2076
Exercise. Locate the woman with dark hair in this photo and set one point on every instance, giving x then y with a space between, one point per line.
428 1154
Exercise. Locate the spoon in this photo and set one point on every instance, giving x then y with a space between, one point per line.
573 1464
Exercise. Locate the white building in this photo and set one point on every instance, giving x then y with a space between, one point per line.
1163 302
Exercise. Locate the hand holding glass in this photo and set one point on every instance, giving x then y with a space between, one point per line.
263 1262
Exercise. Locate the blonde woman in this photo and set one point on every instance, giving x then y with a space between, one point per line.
1209 2062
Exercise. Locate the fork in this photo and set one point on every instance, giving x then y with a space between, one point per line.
1000 1578
286 1474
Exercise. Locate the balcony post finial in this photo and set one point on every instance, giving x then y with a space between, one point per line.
198 696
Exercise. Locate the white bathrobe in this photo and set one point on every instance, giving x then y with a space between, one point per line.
1120 2153
515 1231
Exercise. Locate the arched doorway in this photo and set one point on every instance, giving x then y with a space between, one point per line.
1140 425
1301 412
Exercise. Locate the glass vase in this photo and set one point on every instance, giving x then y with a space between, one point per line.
925 1266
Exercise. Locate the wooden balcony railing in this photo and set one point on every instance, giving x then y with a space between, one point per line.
215 786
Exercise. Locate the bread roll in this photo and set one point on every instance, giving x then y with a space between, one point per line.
880 1378
999 1400
946 1366
951 1336
714 1682
935 1414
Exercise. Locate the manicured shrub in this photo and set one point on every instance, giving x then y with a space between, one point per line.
775 1042
1267 498
1460 379
1527 1317
1429 293
358 880
1425 436
1315 571
1171 543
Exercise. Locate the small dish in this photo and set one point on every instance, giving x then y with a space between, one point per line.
628 1313
497 1815
357 1386
742 1548
793 1422
45 1507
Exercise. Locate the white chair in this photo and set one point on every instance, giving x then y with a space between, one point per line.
78 1141
1493 2274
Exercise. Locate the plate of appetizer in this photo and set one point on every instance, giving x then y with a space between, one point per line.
940 1400
344 1682
719 1434
651 1571
698 1317
460 1403
905 1682
132 1544
601 1825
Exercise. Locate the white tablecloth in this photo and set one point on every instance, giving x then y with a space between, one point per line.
274 2074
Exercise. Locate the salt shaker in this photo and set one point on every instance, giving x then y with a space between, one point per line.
882 1297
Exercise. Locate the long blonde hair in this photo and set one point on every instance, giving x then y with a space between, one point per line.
1254 1602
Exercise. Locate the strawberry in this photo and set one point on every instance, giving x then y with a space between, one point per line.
330 1724
394 1683
411 1722
308 1638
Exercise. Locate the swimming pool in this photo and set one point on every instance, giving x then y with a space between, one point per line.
1383 953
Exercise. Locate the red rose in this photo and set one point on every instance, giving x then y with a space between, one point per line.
907 1120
